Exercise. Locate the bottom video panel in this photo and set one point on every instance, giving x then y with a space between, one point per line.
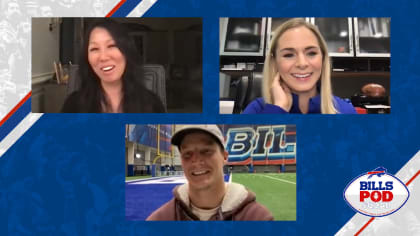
210 172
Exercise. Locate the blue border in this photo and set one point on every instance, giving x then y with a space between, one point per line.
66 174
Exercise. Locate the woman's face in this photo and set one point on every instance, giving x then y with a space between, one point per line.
105 57
299 60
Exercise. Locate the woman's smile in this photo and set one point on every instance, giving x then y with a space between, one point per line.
302 77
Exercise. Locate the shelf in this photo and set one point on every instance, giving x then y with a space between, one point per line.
351 74
243 35
373 38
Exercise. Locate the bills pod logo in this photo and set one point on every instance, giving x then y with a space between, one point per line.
376 193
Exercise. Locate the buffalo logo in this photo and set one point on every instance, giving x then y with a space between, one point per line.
378 172
376 193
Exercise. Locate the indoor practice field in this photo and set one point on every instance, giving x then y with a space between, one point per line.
276 191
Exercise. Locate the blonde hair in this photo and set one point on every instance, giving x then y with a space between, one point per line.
327 101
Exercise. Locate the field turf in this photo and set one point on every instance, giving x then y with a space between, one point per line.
276 191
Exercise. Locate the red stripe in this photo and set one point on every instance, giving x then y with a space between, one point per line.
115 8
412 178
237 163
15 108
274 162
364 226
408 182
375 172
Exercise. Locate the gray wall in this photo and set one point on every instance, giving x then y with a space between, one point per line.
45 48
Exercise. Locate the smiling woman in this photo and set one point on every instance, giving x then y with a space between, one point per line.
109 70
297 74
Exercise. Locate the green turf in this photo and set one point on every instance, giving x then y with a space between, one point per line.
277 195
137 177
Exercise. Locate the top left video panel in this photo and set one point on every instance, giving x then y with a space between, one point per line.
118 65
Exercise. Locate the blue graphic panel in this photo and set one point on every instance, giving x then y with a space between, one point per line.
65 176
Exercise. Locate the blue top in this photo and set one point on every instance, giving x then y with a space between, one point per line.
258 106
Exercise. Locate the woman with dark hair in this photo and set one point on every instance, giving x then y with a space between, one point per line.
110 73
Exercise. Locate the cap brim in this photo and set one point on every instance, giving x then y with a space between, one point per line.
179 136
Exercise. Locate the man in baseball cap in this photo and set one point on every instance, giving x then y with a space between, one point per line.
206 196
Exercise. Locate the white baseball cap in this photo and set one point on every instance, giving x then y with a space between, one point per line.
212 130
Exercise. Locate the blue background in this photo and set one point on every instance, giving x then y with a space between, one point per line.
66 174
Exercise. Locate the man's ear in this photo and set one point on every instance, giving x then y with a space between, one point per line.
225 156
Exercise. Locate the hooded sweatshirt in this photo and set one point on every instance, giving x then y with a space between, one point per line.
238 204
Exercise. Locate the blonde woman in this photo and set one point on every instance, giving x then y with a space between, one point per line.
297 74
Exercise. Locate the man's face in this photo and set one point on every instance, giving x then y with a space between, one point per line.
13 9
202 161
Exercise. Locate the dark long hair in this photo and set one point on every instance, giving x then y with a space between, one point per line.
135 94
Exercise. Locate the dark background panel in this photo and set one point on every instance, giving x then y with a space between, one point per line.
66 174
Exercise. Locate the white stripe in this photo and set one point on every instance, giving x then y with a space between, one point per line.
166 180
141 8
151 178
230 177
286 181
18 131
